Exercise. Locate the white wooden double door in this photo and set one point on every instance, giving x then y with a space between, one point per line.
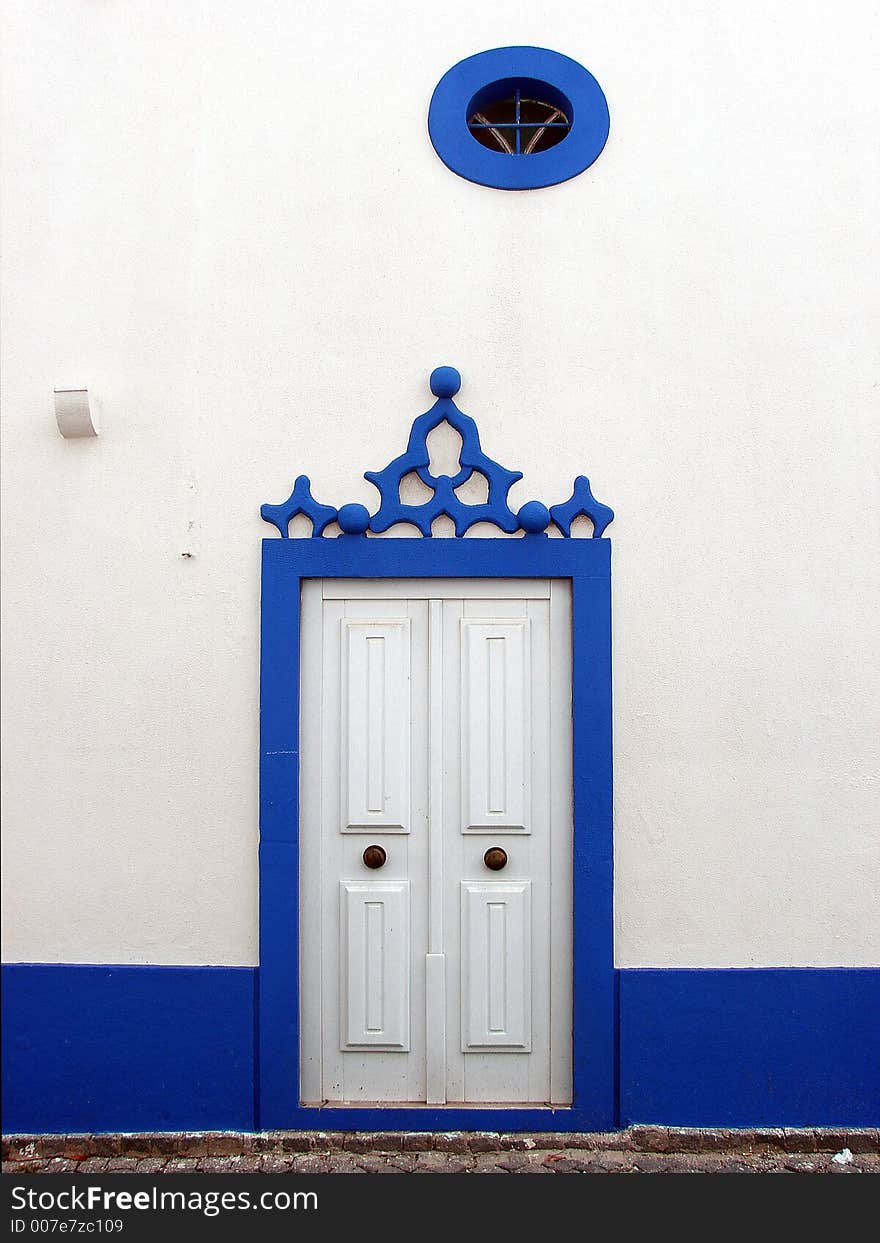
436 725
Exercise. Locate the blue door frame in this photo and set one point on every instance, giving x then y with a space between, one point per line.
587 563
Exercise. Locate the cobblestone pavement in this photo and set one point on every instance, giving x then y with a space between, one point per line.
648 1150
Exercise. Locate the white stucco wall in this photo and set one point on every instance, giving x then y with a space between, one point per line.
227 219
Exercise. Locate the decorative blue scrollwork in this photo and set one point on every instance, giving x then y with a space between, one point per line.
300 501
445 383
355 520
580 502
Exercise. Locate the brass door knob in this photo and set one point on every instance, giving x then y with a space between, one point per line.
495 858
374 856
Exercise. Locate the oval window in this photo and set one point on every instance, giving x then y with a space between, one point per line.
494 108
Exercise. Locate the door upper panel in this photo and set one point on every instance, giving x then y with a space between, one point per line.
376 725
496 725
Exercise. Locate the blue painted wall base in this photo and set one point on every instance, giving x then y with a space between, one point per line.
89 1048
92 1048
785 1047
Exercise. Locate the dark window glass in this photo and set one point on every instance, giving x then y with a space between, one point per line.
518 125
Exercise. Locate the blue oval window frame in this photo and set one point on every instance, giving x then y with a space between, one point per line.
475 76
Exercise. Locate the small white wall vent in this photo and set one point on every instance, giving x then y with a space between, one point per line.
75 413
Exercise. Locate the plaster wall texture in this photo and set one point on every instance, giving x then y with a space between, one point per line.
228 221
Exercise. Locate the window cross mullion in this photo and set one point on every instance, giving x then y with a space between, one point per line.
514 133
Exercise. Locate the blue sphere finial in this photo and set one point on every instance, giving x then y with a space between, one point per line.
445 381
353 519
534 517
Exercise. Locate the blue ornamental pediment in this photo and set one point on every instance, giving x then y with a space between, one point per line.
354 519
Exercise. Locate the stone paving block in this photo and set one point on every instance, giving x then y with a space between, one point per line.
612 1161
74 1148
273 1163
770 1138
325 1141
24 1148
418 1141
61 1165
383 1141
93 1165
311 1162
293 1142
713 1162
126 1165
451 1141
799 1140
575 1161
484 1141
650 1138
867 1164
44 1146
211 1165
376 1164
224 1145
863 1141
513 1161
830 1139
342 1163
685 1139
720 1140
487 1163
140 1146
805 1163
189 1165
531 1142
441 1163
405 1161
612 1141
659 1163
153 1165
245 1163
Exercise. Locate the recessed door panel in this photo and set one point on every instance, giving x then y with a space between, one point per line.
496 725
374 983
375 755
496 968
